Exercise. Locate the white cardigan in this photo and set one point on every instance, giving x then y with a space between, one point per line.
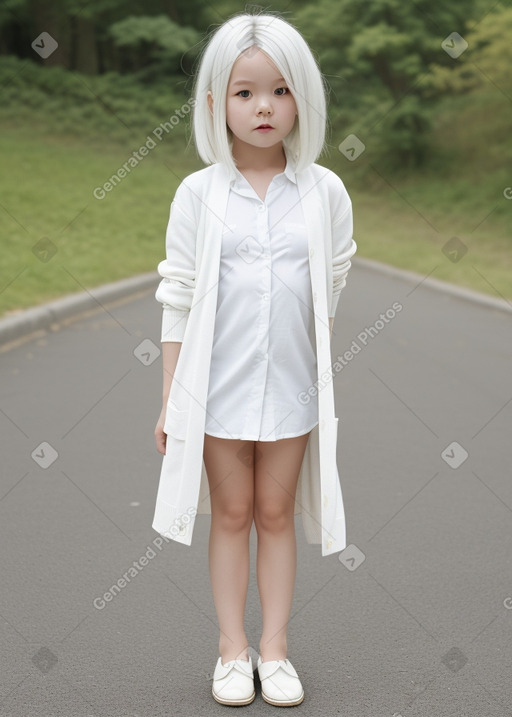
188 292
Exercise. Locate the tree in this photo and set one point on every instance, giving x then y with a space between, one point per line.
488 56
154 40
374 54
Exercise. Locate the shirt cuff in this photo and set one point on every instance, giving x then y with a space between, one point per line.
174 322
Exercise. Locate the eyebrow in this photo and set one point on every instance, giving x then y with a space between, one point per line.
250 82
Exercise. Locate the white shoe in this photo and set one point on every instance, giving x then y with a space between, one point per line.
233 682
280 684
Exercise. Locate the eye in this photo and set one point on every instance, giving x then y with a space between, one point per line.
245 96
282 91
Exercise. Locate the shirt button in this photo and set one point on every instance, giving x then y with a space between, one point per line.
261 208
265 297
315 297
311 252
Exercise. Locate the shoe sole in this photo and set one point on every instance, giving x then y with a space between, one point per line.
277 703
235 703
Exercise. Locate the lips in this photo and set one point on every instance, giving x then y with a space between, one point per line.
265 126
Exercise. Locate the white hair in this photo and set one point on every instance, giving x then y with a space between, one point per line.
286 47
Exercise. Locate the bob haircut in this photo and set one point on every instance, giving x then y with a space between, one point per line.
286 47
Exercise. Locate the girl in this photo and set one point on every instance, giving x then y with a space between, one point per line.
258 247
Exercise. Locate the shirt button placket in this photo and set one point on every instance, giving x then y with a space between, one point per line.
264 239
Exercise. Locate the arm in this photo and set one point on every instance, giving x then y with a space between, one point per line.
175 292
344 247
343 244
170 354
176 289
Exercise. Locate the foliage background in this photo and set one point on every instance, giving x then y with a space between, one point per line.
436 130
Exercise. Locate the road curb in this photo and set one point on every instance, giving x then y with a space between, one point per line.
70 306
446 287
43 317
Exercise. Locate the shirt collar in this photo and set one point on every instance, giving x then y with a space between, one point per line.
237 179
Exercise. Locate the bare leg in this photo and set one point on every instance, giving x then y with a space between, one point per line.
275 483
230 472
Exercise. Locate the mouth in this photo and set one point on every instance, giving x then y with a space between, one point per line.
265 126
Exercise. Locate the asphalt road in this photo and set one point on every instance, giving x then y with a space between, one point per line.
413 619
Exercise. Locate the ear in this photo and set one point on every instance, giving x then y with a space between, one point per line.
209 98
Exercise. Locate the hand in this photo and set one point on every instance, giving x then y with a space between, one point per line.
160 436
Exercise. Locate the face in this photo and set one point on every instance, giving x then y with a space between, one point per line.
258 95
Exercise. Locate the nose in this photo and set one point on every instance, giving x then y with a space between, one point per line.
264 105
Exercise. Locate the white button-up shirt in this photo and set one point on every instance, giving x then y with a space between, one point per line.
263 353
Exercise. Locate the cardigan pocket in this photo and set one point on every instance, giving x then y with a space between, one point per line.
176 421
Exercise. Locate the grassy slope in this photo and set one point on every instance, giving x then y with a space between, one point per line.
47 190
48 178
405 219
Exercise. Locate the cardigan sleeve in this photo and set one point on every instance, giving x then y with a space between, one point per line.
176 289
343 245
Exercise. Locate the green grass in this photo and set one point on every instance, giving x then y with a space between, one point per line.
405 218
51 167
47 193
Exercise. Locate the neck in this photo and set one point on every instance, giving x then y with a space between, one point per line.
258 158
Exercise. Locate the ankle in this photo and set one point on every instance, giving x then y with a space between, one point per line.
268 657
232 652
273 652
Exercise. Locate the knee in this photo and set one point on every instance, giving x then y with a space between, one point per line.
272 517
234 517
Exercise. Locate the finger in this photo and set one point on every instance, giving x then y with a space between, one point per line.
160 442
